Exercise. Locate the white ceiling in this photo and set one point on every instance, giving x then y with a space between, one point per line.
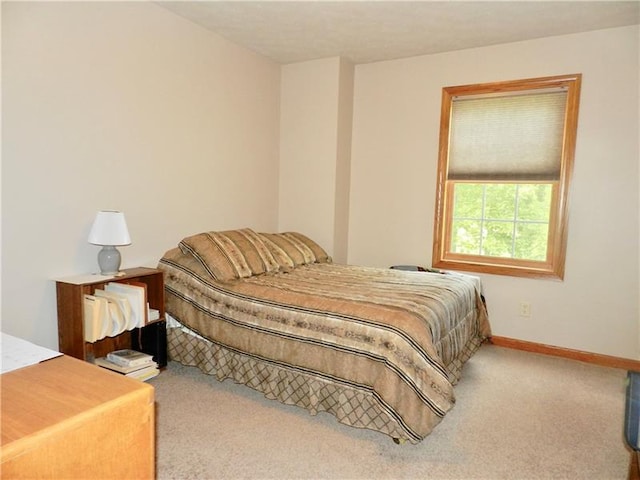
370 31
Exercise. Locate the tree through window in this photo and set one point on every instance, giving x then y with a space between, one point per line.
506 155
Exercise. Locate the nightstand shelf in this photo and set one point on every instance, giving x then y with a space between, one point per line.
70 296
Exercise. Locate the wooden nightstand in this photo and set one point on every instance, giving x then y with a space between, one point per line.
150 339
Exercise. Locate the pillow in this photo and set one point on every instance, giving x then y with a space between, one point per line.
299 248
318 252
258 255
285 261
231 254
297 252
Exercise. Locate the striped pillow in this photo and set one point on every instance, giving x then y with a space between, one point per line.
285 261
298 254
231 254
299 248
318 252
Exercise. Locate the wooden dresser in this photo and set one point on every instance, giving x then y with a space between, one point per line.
65 418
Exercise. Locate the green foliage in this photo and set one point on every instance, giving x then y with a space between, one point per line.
498 237
467 237
534 202
500 201
531 243
468 200
501 219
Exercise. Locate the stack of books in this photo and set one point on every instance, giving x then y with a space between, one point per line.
130 363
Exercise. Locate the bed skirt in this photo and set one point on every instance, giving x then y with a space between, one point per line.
352 406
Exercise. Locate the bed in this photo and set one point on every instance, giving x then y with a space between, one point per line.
377 348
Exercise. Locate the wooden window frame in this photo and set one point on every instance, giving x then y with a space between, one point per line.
554 265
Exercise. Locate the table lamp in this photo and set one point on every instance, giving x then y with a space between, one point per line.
110 231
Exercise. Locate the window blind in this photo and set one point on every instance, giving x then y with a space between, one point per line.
512 137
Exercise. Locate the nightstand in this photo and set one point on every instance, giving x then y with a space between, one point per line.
151 338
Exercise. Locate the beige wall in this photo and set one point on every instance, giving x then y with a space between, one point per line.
394 155
343 162
125 106
315 148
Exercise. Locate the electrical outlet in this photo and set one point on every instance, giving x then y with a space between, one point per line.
525 309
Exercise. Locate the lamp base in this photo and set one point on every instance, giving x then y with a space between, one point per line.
109 260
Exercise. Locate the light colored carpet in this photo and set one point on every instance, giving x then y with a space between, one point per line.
518 416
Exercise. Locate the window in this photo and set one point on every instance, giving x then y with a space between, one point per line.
505 162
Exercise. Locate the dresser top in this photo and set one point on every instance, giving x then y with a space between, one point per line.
42 398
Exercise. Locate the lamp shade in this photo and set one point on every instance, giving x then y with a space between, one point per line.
109 228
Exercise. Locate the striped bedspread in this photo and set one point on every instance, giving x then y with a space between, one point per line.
400 338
